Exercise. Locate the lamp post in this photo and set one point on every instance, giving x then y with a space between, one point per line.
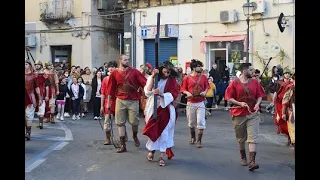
248 8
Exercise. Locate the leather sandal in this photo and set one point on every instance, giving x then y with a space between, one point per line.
161 162
150 156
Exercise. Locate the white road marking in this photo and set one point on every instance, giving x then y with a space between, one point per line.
67 131
40 158
35 164
60 146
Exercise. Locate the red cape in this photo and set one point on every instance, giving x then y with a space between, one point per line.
154 129
282 124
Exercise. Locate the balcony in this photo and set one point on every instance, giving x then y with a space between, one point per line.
56 11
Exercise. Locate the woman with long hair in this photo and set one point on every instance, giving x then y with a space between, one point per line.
96 94
87 80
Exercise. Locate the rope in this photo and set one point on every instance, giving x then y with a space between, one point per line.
197 107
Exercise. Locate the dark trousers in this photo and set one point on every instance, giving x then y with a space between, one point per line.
96 106
220 99
67 105
209 103
76 106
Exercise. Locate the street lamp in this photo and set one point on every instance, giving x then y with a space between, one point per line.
248 8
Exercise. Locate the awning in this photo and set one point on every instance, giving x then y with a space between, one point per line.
239 37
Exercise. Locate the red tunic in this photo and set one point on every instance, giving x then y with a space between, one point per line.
236 91
282 124
154 129
125 84
195 85
112 100
27 100
31 84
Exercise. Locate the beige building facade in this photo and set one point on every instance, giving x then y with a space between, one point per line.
72 30
196 29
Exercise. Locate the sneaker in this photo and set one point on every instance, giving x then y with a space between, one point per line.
95 118
99 117
58 116
216 106
78 117
74 117
61 118
66 114
82 115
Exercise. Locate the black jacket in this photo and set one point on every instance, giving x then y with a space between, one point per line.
94 85
81 92
215 75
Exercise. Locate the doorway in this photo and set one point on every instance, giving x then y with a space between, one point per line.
220 57
61 54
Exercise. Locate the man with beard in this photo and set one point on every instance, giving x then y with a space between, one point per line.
32 87
245 93
53 91
44 91
160 133
124 84
195 87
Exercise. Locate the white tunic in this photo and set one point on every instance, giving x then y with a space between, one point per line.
166 139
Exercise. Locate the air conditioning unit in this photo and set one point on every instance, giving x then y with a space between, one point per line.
261 7
102 5
227 17
30 40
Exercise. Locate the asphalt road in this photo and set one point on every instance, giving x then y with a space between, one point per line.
74 150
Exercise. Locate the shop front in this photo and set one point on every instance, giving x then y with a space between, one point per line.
225 51
168 46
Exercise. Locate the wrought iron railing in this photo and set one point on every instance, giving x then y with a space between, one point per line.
55 10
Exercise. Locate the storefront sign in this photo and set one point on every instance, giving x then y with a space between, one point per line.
174 61
172 30
168 30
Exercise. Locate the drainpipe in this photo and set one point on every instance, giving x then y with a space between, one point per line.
134 45
132 36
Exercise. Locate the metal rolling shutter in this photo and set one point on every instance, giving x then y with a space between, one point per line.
168 48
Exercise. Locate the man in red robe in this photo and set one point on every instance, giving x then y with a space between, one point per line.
112 65
44 91
124 84
53 90
32 88
195 87
282 126
245 93
288 109
161 132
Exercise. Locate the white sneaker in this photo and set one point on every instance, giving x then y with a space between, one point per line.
95 118
78 117
58 116
82 114
216 106
74 117
99 117
61 118
66 114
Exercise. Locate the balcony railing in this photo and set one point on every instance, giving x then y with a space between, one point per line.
56 10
